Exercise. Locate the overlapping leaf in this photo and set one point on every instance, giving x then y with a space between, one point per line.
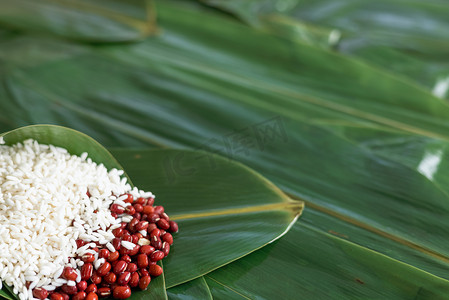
289 110
91 21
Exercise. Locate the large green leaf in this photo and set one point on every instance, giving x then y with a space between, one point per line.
216 87
76 143
304 269
410 38
91 21
194 289
224 210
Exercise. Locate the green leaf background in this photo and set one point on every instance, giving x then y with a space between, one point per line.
349 125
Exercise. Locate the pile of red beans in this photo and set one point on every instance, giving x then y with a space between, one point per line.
124 268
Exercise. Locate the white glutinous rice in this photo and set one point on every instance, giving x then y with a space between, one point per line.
44 208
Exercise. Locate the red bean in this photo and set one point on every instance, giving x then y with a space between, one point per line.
142 261
153 218
142 201
104 292
96 278
144 282
40 293
69 273
69 290
130 198
165 216
142 225
118 209
88 258
173 226
156 255
143 272
121 292
159 209
80 243
138 207
137 215
91 296
139 236
134 250
150 201
65 296
91 288
148 209
120 267
165 248
134 239
130 210
155 270
147 249
156 242
110 277
131 267
116 242
127 237
56 296
163 224
151 227
126 258
124 278
123 225
104 253
167 237
113 256
104 269
82 285
134 281
79 296
155 232
86 271
117 232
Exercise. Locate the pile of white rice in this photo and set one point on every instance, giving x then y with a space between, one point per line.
44 208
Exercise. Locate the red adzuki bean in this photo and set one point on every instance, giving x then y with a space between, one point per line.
134 280
69 290
104 269
113 256
121 292
131 267
86 271
79 296
167 237
173 226
55 296
163 224
91 296
165 248
69 273
88 258
40 293
120 266
104 253
118 209
96 278
124 278
147 249
155 270
110 277
104 292
82 285
144 282
142 261
156 255
91 288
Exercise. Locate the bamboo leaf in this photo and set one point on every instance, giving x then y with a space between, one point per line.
76 143
194 289
303 267
224 209
91 21
409 38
